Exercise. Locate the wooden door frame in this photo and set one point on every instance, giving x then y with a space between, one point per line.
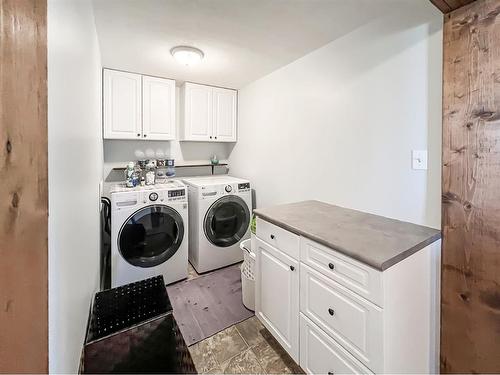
24 189
470 295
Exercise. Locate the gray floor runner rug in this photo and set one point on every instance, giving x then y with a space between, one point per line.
208 304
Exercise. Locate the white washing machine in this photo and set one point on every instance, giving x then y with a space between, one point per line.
219 219
149 233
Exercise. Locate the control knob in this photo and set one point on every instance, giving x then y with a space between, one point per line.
228 188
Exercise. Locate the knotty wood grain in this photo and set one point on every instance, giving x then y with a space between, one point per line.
447 6
23 190
470 323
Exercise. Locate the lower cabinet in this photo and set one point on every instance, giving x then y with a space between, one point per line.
319 354
277 296
335 315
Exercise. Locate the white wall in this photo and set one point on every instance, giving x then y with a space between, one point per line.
339 124
75 171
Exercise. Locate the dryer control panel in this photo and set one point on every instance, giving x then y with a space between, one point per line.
214 191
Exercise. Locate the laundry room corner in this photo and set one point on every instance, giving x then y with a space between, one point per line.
74 178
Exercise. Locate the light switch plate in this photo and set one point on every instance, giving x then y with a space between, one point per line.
419 159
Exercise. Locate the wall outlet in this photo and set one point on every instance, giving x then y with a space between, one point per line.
419 159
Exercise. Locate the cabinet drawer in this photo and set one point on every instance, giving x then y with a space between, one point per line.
358 277
278 237
352 321
320 354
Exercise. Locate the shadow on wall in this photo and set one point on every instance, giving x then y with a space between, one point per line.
117 153
122 151
339 124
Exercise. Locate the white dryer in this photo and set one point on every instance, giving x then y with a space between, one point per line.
149 233
219 219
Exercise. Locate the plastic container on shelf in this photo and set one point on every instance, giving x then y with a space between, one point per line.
248 275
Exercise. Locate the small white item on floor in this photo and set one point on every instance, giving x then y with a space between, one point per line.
248 275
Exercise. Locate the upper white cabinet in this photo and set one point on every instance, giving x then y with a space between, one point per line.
158 108
208 113
122 105
225 102
197 114
138 107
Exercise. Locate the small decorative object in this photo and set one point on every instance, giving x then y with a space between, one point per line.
143 181
253 225
170 168
161 175
214 160
160 162
150 173
131 178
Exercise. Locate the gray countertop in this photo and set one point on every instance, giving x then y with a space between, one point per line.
377 241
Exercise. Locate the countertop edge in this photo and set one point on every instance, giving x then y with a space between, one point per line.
379 267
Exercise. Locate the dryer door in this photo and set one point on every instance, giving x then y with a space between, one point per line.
151 236
227 221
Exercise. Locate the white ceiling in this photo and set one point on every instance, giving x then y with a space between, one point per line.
243 40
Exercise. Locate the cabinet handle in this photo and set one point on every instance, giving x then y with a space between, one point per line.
210 137
272 236
330 373
138 134
144 135
331 265
292 268
331 312
215 137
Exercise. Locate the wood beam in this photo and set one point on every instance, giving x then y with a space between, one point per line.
23 190
447 6
470 320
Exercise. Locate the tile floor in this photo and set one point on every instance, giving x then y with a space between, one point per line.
244 348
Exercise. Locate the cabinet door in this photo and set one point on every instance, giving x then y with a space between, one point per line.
277 296
198 113
225 115
158 108
122 105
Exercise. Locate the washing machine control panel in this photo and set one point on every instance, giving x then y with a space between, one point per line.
244 186
180 193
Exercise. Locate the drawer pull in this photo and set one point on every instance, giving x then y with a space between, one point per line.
331 265
272 236
330 373
292 268
331 312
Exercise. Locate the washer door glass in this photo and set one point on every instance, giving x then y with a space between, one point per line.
151 236
227 221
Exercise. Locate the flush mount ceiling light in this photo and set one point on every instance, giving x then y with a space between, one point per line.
187 55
